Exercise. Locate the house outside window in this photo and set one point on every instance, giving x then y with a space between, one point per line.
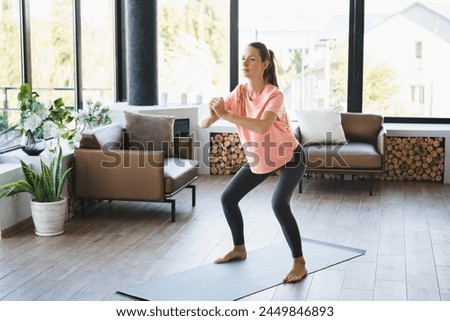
310 40
406 65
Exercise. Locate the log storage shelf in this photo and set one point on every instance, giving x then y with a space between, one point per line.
415 158
407 158
226 155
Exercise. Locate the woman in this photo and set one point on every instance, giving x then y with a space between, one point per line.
257 110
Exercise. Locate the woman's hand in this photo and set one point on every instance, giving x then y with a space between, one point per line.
218 106
210 119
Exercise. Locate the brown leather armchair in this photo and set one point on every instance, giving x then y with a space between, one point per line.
363 154
106 169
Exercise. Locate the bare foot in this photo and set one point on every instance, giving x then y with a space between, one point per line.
298 271
237 253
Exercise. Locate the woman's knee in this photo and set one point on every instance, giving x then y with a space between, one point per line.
280 205
228 198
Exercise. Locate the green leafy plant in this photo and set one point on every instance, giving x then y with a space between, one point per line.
40 121
95 115
44 186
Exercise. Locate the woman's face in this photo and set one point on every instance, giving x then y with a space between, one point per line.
252 65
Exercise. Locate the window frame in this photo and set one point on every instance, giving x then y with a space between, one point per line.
355 56
355 62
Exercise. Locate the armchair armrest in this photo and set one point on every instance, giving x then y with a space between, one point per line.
381 141
119 174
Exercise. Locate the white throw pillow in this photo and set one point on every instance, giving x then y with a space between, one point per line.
321 126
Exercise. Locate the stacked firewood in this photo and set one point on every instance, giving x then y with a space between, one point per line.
407 158
226 153
72 203
415 158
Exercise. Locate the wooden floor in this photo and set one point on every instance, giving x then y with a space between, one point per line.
405 228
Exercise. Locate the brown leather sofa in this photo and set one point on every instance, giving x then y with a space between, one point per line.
363 154
105 168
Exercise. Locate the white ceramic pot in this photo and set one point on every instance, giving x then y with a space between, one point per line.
49 218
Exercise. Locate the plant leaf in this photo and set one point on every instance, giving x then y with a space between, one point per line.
57 167
14 188
39 189
61 184
28 173
48 182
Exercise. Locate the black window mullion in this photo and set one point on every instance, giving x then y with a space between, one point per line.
25 41
355 56
78 76
120 51
234 43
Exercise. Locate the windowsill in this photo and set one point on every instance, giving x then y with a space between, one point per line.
6 168
407 129
12 158
122 106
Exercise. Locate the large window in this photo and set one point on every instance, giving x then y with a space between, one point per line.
52 55
10 71
52 51
97 44
10 75
193 49
405 71
310 40
406 58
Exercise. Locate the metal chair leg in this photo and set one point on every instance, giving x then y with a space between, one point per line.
192 187
172 203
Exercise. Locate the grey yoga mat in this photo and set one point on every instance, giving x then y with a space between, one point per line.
264 268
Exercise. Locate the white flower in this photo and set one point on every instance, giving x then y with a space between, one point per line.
49 128
77 137
92 116
56 132
32 122
43 112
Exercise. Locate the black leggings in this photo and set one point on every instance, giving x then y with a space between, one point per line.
244 181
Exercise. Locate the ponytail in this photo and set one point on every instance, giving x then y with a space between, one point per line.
270 74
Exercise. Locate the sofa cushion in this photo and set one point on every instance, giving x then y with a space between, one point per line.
320 126
103 137
361 127
348 156
178 172
150 132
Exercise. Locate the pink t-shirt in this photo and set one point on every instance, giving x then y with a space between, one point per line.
265 152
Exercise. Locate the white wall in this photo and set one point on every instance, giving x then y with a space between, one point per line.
16 208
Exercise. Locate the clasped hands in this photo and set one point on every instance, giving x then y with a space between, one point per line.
217 105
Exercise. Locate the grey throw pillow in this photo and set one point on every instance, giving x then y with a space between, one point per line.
150 132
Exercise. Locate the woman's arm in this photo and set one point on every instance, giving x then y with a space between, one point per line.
260 126
209 120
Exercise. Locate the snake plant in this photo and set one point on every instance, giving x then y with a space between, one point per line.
44 186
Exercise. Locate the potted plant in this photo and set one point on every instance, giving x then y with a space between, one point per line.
48 207
38 121
95 115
